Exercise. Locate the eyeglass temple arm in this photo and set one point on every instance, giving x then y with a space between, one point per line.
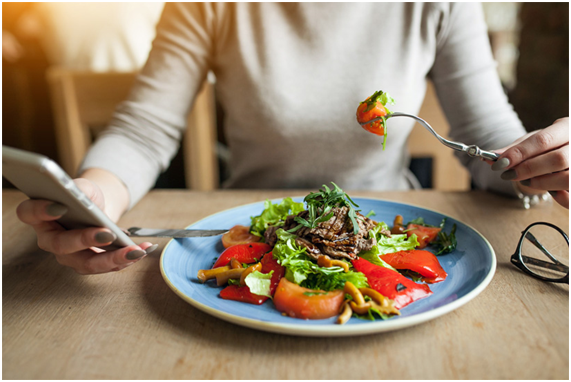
540 263
536 242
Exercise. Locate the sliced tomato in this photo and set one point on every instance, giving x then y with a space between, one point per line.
422 262
242 294
391 284
244 253
424 235
239 234
366 113
270 264
300 302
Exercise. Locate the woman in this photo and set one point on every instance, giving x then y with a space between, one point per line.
289 77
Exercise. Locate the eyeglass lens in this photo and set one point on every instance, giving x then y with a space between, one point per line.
545 252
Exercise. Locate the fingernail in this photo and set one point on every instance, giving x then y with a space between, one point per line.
135 254
151 248
500 164
105 237
526 182
509 175
56 209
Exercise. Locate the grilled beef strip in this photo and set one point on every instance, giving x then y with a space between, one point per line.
334 237
270 235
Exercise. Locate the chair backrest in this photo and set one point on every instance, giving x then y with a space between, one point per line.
447 172
84 102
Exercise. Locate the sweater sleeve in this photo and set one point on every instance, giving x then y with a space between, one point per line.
468 87
145 132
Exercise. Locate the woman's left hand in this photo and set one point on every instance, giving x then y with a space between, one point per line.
539 161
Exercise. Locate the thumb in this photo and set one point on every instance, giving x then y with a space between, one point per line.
503 149
92 191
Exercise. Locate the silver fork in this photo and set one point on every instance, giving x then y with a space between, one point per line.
471 150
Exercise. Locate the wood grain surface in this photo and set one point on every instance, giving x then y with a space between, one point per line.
130 325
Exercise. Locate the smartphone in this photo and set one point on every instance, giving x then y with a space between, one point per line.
39 177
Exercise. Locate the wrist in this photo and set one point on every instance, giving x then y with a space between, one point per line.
529 196
115 193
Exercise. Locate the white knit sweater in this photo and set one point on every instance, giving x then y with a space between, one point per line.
290 77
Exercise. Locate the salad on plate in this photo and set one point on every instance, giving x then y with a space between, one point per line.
323 258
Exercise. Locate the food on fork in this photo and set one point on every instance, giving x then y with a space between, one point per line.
375 107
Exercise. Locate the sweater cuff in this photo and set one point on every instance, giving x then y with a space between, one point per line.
487 179
117 155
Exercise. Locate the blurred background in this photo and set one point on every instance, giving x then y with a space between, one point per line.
530 42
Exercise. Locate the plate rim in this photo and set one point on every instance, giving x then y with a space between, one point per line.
334 330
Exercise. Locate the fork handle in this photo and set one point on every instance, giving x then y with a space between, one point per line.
471 150
475 151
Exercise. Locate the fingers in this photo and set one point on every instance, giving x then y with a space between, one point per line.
498 165
540 161
54 238
548 163
62 241
34 212
87 262
561 197
77 248
542 141
552 182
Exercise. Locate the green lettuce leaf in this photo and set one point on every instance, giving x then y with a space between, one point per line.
259 283
274 214
302 270
386 244
379 96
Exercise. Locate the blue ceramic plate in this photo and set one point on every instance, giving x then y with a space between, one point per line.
470 269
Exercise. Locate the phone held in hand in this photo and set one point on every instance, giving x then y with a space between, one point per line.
41 178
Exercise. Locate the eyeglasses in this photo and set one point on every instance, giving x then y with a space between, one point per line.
540 242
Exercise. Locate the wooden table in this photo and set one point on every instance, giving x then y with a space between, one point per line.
130 325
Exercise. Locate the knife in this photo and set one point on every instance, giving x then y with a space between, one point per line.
174 233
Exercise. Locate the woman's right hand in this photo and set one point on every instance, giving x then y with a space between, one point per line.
72 247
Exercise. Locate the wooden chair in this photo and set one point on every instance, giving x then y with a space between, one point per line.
84 102
447 172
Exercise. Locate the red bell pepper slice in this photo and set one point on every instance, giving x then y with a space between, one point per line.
422 262
270 264
391 284
245 253
242 294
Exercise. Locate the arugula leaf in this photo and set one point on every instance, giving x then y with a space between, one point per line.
372 315
445 242
385 130
274 214
419 221
320 205
415 276
301 270
379 96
